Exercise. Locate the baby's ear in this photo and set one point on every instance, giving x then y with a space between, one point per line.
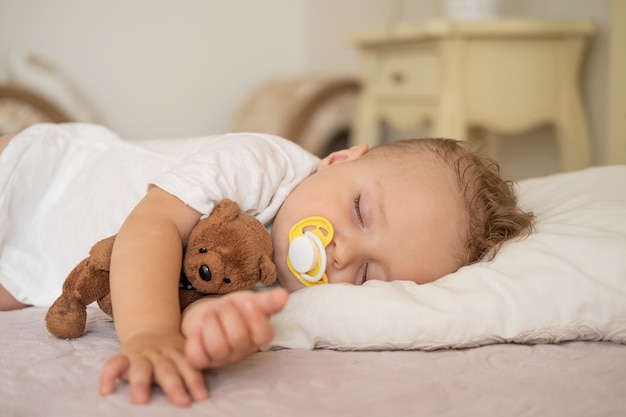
343 155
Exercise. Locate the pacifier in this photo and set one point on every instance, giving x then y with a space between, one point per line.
308 240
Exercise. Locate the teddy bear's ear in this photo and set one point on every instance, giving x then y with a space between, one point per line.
227 209
267 270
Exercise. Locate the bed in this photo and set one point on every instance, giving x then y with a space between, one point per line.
43 376
539 330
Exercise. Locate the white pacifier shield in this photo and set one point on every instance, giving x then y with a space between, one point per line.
302 254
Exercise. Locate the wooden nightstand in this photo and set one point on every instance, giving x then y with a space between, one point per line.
506 76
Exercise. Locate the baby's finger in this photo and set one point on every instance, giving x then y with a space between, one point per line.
140 376
192 378
272 301
194 350
167 375
237 328
260 329
112 370
233 331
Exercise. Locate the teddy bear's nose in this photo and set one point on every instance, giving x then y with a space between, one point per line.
205 273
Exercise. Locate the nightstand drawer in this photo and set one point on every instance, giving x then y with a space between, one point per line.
402 75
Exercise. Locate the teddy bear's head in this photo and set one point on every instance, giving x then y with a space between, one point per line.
229 250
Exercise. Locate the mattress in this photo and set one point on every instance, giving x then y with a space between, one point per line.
44 376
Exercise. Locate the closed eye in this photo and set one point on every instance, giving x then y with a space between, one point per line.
357 209
357 212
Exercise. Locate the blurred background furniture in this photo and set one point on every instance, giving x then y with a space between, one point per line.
315 111
502 75
616 117
36 91
21 107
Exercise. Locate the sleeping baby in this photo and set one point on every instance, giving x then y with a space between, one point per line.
407 210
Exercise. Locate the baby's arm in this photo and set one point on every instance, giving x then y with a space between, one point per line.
224 330
145 268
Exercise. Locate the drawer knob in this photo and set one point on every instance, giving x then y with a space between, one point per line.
397 77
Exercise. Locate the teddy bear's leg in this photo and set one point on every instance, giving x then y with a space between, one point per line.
186 297
105 304
66 318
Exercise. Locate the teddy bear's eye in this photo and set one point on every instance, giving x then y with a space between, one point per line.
203 250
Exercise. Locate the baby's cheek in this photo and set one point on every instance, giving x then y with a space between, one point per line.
287 280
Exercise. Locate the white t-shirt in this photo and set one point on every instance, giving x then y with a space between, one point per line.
64 187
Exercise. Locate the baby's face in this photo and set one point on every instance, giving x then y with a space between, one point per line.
388 224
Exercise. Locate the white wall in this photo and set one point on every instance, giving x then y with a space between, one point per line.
158 67
328 24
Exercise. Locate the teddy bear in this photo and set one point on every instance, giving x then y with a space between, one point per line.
227 251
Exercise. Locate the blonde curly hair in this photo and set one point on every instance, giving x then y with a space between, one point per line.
491 204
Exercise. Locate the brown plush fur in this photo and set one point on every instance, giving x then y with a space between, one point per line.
227 251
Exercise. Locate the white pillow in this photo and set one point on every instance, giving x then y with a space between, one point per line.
567 281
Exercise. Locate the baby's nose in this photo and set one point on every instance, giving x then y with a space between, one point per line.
342 252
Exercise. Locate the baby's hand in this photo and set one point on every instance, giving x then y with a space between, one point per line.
152 357
224 330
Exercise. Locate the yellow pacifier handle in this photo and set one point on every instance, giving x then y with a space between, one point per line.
307 255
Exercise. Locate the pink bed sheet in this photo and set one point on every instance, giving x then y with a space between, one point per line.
43 376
